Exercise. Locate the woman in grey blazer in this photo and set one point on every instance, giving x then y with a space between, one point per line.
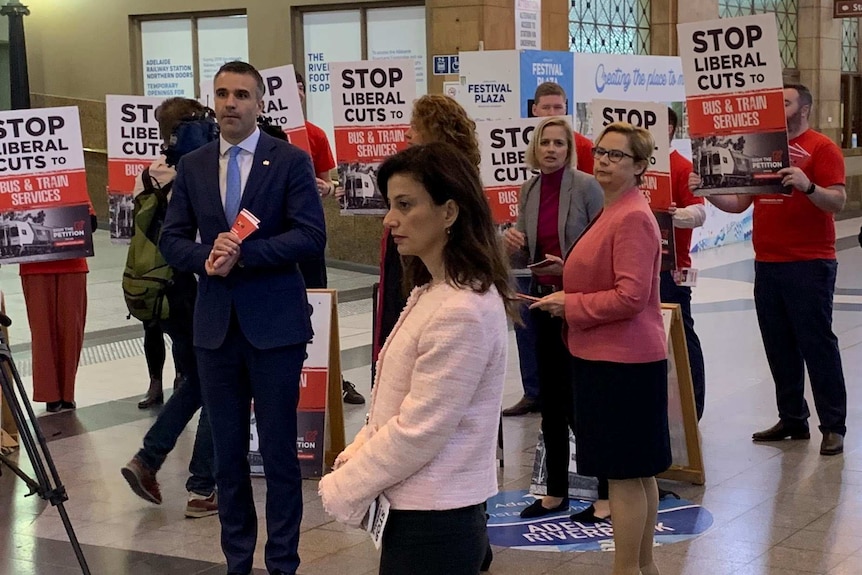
555 207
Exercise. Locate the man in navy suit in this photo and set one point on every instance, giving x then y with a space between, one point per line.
251 322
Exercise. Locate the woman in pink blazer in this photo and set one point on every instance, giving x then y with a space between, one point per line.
429 443
615 333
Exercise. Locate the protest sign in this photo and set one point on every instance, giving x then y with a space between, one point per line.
490 84
538 67
134 142
735 98
44 205
371 107
280 103
656 182
503 146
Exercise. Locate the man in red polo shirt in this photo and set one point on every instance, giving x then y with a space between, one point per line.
794 279
688 213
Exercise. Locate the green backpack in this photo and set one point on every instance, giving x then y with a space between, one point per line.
147 274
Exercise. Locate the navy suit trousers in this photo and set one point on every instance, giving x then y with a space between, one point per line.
231 376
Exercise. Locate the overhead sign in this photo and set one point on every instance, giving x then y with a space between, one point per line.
528 24
445 65
847 9
628 78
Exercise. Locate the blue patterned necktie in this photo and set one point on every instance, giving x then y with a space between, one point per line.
232 186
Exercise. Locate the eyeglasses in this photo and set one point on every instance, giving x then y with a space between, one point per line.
613 155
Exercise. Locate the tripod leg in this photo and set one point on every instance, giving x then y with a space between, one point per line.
49 487
73 539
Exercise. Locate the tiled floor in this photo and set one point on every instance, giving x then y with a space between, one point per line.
778 509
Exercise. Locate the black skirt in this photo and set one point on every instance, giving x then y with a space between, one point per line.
621 429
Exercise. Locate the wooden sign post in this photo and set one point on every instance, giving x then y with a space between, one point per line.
687 464
334 440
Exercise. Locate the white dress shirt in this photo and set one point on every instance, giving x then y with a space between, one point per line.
245 159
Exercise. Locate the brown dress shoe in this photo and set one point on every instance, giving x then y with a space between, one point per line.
524 406
142 480
832 444
781 431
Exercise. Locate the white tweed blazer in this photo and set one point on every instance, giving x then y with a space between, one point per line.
431 435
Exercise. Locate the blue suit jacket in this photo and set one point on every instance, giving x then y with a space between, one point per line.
267 291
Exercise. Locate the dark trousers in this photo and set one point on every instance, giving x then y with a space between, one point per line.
452 542
231 376
525 336
186 401
672 293
163 435
555 394
794 310
154 349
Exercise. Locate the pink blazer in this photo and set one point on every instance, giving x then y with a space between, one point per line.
431 436
611 281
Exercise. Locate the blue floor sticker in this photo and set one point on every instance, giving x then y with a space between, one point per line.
678 520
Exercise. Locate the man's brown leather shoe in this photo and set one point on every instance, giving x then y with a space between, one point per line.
832 444
524 406
142 480
781 431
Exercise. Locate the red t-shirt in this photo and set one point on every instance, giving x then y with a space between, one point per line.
584 152
790 228
77 265
680 168
321 153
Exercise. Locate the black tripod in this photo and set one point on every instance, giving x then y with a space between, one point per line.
47 484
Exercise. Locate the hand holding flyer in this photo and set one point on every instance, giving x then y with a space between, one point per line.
246 224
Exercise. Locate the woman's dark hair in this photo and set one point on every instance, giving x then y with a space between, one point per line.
473 256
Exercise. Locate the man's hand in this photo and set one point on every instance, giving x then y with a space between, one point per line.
795 177
514 240
694 181
224 255
324 187
671 209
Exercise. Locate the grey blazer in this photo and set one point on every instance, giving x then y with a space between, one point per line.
581 199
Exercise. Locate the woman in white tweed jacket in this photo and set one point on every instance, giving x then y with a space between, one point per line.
430 440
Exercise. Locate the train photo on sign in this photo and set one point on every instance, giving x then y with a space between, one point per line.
46 234
740 164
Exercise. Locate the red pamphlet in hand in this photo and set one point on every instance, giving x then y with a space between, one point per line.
246 223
